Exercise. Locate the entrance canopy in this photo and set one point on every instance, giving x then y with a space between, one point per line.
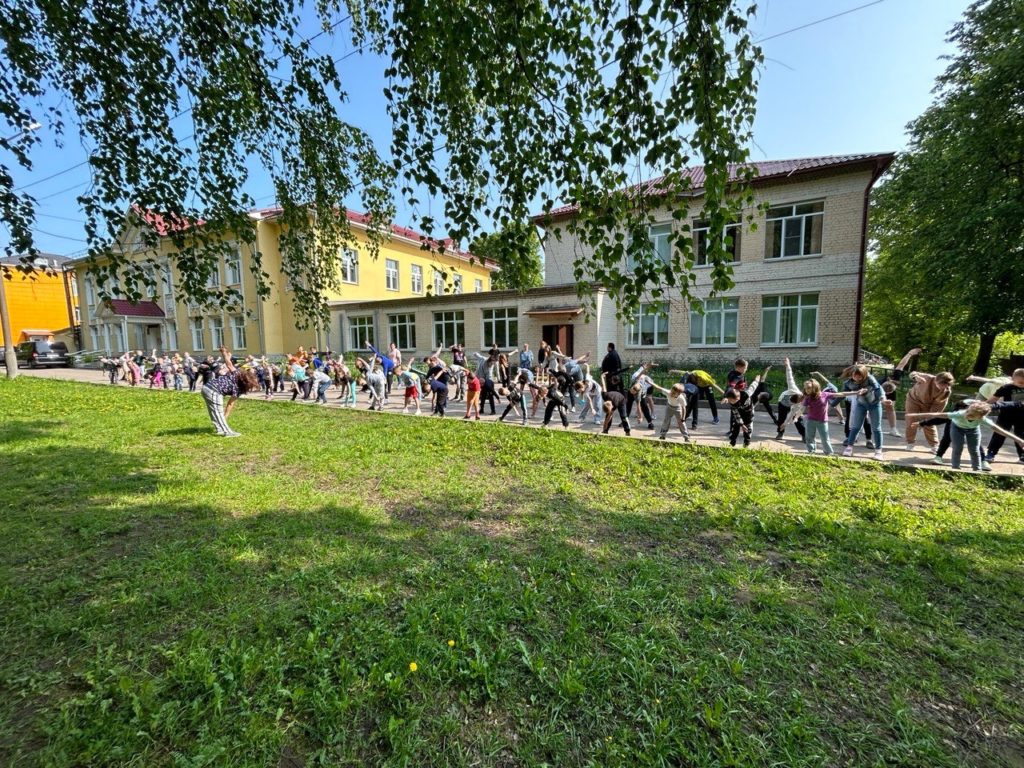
554 312
126 308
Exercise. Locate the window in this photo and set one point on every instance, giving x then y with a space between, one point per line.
457 284
658 235
90 292
402 331
238 331
233 267
791 320
438 282
449 328
360 331
195 325
167 279
150 286
478 286
214 279
731 238
718 325
216 333
417 278
94 337
650 326
501 327
391 274
794 230
349 267
78 315
120 344
172 331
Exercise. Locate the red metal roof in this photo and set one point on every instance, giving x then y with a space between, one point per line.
165 224
410 234
763 171
141 309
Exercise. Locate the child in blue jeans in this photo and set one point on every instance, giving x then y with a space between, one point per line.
965 428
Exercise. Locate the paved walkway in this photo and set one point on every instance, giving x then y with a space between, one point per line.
1006 462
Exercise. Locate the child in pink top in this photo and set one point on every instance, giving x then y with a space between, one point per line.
815 405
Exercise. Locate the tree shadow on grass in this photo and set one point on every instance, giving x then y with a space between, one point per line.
19 430
150 603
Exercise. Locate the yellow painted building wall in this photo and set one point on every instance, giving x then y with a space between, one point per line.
36 302
271 323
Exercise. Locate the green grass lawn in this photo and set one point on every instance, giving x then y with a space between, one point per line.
173 599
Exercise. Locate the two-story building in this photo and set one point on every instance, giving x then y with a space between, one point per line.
164 320
798 269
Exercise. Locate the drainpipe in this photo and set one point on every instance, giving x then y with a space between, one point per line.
858 316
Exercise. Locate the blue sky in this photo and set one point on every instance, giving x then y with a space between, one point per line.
849 84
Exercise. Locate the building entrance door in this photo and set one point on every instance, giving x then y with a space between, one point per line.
154 339
560 336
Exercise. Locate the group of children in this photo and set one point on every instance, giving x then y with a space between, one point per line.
559 385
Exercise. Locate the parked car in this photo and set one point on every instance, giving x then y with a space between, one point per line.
39 353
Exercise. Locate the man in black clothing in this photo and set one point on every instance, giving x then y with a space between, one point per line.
611 366
614 401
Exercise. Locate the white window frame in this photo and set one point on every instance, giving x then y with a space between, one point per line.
659 239
196 325
478 286
788 220
151 288
360 329
507 323
439 282
213 281
701 229
402 330
216 332
233 266
167 278
456 285
452 321
238 331
90 292
349 261
416 278
716 310
771 317
391 274
634 333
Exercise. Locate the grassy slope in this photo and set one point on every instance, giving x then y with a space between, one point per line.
171 598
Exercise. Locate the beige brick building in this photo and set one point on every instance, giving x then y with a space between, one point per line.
798 273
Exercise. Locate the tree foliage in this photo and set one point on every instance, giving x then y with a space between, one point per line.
949 221
495 107
516 250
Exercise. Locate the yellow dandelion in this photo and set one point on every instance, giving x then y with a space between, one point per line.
451 643
412 666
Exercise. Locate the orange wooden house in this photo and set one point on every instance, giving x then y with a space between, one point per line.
43 303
